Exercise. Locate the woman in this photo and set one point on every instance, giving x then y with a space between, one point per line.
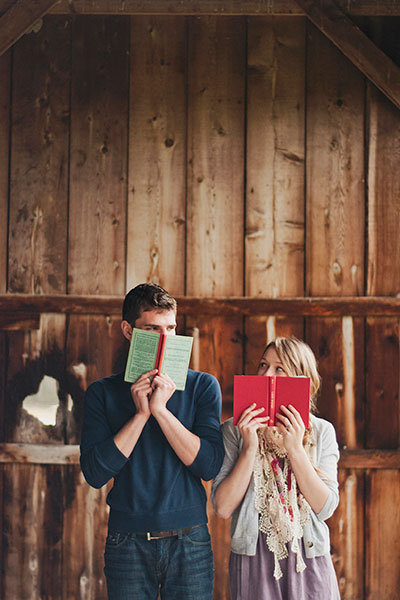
279 485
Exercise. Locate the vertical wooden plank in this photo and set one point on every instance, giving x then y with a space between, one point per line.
275 157
99 122
157 153
5 66
335 266
383 373
215 214
38 186
215 156
383 547
335 171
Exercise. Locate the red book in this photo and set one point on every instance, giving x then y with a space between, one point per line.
271 393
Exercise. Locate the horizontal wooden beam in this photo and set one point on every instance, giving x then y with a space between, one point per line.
355 45
216 7
369 459
57 454
19 18
356 306
40 454
19 321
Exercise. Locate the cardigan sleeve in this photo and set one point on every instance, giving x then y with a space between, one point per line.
232 445
328 457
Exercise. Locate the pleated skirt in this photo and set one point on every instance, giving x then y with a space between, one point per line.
251 577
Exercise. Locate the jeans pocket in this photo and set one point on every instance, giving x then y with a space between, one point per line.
198 536
115 539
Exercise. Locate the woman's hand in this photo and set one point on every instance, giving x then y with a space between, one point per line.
248 424
290 425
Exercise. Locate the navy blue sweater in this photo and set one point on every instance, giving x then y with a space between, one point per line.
153 490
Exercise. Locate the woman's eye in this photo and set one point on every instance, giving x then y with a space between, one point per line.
280 369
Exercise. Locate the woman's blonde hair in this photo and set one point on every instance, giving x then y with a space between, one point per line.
298 359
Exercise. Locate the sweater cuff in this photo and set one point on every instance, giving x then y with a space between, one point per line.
111 457
203 465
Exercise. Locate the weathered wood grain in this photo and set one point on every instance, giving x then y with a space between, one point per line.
157 157
215 156
382 375
212 7
85 529
19 19
19 322
5 75
335 172
383 144
347 533
382 539
355 45
39 156
32 531
98 169
275 157
356 306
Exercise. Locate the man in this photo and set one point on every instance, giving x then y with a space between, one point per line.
157 444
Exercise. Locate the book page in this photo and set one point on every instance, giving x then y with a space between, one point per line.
176 358
142 353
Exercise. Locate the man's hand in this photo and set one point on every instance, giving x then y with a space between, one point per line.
163 388
141 392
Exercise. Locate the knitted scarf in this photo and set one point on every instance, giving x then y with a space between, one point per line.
282 509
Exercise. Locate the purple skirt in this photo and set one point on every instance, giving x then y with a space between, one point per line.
252 577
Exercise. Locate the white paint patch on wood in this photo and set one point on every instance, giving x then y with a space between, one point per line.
351 534
271 329
44 404
349 381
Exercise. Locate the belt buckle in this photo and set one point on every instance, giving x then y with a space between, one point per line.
150 537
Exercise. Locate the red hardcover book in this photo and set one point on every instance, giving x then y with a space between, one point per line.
271 393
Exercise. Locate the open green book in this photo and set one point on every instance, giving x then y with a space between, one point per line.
169 354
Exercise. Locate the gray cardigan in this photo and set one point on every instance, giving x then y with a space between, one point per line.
244 524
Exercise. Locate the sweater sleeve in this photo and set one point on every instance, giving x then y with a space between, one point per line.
207 426
327 463
100 458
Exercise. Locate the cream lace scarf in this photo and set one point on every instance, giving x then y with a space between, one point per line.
282 509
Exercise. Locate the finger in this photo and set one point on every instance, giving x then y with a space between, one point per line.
296 414
244 420
146 375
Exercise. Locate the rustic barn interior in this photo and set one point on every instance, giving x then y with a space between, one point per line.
246 156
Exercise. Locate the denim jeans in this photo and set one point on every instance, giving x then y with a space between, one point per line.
180 567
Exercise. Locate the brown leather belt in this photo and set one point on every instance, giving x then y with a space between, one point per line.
158 535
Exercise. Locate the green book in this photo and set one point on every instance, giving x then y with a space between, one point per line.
169 354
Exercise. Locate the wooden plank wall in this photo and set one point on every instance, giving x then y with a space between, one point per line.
217 157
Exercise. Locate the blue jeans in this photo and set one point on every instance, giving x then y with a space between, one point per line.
180 567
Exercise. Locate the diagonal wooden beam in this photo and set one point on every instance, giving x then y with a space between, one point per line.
354 44
19 18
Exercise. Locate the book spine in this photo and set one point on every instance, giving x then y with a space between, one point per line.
272 393
160 352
